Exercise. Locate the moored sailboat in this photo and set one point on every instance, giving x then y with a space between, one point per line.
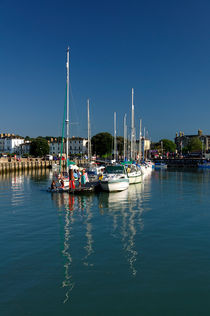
115 179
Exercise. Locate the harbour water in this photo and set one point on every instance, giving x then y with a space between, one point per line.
144 251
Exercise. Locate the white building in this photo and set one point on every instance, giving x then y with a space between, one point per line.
10 144
77 145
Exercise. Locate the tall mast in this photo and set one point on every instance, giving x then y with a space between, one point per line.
125 136
67 109
132 127
115 137
140 141
144 145
89 140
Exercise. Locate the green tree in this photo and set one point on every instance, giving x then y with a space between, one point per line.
194 145
168 145
39 147
120 145
102 144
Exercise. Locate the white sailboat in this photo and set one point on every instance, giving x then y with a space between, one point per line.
115 179
62 179
134 172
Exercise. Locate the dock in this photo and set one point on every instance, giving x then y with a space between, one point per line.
181 163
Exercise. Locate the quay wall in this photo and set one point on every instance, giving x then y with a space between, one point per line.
183 163
8 165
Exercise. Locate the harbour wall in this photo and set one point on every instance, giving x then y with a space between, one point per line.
33 163
183 163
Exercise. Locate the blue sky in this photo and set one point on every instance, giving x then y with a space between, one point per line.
159 48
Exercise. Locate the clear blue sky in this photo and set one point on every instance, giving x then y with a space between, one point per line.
160 48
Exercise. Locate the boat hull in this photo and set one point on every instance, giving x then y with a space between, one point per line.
135 178
115 185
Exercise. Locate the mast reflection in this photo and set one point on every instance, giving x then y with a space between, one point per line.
75 207
65 202
126 210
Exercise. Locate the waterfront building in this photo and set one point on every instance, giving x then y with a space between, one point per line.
77 145
55 146
145 147
9 143
24 148
182 140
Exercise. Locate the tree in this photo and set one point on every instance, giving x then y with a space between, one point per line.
39 147
120 145
168 145
102 144
194 145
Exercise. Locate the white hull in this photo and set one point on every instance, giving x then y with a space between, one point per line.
135 177
117 185
146 169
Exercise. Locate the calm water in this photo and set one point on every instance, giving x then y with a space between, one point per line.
145 251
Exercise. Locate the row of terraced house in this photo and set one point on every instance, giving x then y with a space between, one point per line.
11 143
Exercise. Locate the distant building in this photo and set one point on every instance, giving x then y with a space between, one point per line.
182 140
77 145
24 148
145 145
55 146
9 143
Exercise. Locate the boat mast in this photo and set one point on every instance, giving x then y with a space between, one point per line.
140 141
67 109
144 145
89 140
132 127
125 136
115 137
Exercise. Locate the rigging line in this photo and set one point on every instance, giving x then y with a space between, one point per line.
63 131
73 110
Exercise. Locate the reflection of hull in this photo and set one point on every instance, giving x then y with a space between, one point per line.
114 185
146 169
135 190
135 177
118 197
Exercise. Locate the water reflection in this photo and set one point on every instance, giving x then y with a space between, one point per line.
17 188
89 245
124 209
33 174
74 206
67 283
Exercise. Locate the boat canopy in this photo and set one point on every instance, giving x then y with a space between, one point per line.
125 163
115 169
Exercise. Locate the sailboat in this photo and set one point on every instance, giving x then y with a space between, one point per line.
62 178
134 171
115 177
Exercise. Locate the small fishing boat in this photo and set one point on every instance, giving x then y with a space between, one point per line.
115 179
